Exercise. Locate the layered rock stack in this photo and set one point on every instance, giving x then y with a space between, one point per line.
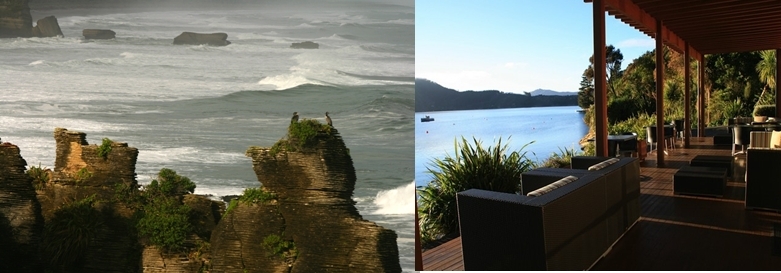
47 27
21 224
15 19
98 34
192 38
79 172
314 209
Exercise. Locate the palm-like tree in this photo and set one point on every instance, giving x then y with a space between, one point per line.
767 73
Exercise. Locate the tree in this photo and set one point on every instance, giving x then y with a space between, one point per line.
585 93
766 68
613 59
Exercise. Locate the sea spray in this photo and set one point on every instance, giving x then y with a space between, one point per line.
396 201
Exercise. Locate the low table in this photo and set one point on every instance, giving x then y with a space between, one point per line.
700 181
716 161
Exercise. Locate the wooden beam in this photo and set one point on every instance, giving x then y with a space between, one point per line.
659 95
600 79
636 15
418 250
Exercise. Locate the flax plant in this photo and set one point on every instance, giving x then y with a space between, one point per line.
471 167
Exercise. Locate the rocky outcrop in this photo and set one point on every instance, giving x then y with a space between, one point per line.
305 45
313 209
21 224
98 34
80 171
15 19
192 38
47 27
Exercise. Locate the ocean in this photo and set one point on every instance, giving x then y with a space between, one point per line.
196 109
550 128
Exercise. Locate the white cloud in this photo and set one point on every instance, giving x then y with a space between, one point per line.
637 42
512 65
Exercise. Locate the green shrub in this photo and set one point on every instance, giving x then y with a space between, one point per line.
232 205
130 195
472 167
304 133
168 183
105 148
82 175
765 110
254 195
68 233
276 246
165 223
563 159
39 175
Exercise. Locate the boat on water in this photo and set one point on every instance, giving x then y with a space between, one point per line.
426 119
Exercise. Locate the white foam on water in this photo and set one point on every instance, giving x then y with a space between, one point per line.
36 63
396 201
286 81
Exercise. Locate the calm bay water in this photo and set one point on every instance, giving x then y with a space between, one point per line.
551 129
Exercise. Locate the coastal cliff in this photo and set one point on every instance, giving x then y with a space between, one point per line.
313 179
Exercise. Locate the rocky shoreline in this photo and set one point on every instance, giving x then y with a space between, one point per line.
311 214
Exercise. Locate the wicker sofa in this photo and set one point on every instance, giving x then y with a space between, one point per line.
762 173
568 228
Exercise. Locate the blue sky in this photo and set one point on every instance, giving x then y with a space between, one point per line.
513 45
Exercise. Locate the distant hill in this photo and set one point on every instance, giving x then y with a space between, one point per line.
546 92
430 96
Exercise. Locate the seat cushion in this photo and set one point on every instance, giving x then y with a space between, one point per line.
602 164
552 186
775 139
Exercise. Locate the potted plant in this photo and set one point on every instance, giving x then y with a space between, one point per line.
762 112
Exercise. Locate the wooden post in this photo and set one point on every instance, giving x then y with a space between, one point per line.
701 98
418 254
600 79
687 126
659 96
778 84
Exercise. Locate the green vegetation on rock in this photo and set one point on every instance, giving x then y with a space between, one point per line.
300 135
473 166
39 175
256 195
169 184
276 246
82 175
165 223
105 148
68 233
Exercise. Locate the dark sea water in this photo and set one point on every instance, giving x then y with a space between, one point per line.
196 109
550 128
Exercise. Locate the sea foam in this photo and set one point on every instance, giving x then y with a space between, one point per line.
396 201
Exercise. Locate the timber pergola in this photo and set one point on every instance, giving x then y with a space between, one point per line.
695 28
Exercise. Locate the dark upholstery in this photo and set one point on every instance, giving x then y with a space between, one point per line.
568 228
629 146
717 161
700 181
763 178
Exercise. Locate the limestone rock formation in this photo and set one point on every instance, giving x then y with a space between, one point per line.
21 224
305 45
15 19
98 34
314 210
192 38
47 27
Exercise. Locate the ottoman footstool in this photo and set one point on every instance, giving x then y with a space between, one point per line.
700 181
716 161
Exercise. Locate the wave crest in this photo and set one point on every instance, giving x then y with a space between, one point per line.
396 201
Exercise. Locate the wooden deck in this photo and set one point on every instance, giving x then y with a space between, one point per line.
677 232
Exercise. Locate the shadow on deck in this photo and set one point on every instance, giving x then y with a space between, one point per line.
678 232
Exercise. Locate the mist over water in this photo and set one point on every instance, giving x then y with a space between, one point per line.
196 109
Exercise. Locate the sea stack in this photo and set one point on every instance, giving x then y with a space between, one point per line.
314 210
15 19
98 34
192 38
305 45
47 27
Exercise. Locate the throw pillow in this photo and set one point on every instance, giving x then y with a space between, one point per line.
552 186
775 139
602 164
